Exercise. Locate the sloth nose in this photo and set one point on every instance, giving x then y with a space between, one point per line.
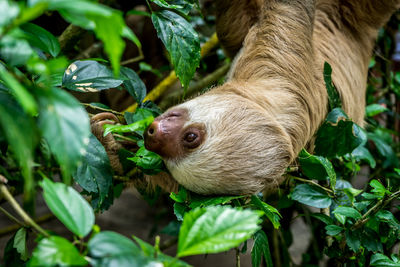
151 131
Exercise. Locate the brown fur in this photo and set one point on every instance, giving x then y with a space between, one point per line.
275 98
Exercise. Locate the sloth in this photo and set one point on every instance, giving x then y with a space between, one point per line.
240 137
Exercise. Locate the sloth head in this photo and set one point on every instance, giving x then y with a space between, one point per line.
221 144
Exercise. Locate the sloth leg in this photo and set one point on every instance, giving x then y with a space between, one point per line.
234 19
110 144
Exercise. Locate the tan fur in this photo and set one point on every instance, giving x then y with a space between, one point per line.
275 98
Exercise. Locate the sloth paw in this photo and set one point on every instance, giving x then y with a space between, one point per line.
110 144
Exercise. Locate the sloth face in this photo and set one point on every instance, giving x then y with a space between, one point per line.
220 144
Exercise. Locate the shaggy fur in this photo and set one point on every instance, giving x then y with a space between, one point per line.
275 98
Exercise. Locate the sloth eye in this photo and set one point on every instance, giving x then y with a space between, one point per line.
190 137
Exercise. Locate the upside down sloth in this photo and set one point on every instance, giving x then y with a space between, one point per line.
240 137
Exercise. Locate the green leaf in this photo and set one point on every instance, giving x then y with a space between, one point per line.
347 212
379 189
316 167
20 243
371 240
353 240
22 95
56 251
111 249
181 196
333 229
362 153
375 109
204 201
41 38
14 50
94 173
9 10
272 213
148 161
11 257
138 115
21 133
215 229
382 260
139 126
338 135
179 211
134 84
181 41
89 76
384 149
111 35
333 94
322 217
65 126
130 35
168 261
68 206
260 248
311 195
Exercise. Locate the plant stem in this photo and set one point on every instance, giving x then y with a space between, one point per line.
103 109
156 246
310 182
28 220
12 218
237 257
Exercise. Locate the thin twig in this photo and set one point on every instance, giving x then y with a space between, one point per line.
12 228
379 205
310 182
28 220
132 60
12 217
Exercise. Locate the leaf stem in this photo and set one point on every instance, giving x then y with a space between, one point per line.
237 257
103 109
310 182
28 220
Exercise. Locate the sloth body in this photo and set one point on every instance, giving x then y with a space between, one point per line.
240 137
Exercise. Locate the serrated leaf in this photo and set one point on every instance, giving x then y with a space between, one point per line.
89 76
316 167
112 249
260 249
353 240
11 257
272 213
375 109
134 85
311 195
68 206
56 251
338 135
181 196
138 115
65 125
333 229
181 41
94 173
20 243
379 189
215 229
41 38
